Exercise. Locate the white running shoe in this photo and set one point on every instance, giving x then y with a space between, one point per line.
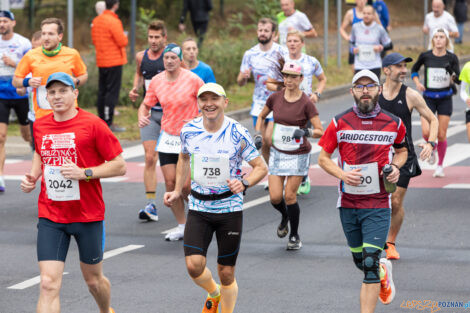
175 235
439 172
432 158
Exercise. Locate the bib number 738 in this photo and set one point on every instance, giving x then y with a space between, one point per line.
210 170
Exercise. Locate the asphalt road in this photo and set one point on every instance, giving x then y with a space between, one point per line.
321 277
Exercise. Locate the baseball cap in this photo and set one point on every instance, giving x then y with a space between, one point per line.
365 73
395 58
292 68
173 47
212 87
440 29
7 14
62 77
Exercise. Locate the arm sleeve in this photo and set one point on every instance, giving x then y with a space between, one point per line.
117 32
79 66
400 139
328 141
305 22
417 66
452 24
318 68
269 102
184 143
184 11
249 152
210 76
463 91
456 68
245 63
384 37
106 142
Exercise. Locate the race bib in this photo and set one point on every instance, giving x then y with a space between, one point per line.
257 107
58 187
210 170
147 83
366 53
6 71
283 137
41 93
168 143
438 78
369 180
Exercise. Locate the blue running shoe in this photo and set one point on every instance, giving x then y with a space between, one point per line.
149 213
2 184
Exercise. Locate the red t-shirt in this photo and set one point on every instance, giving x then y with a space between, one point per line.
364 141
88 142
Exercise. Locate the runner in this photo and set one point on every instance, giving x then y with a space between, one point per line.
441 70
465 94
176 91
201 69
400 100
12 48
364 136
41 62
292 19
150 63
310 67
213 148
258 61
368 40
290 154
440 18
74 149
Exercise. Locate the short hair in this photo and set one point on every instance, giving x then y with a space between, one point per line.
36 35
267 20
110 4
157 25
54 20
187 40
295 32
369 6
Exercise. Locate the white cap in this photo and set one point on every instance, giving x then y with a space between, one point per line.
365 73
440 29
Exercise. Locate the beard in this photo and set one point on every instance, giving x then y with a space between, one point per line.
366 104
265 41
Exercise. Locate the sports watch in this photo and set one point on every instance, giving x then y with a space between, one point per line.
88 174
432 143
246 184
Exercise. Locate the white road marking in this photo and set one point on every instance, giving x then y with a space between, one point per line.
451 131
13 161
133 152
13 177
457 186
455 153
108 254
451 123
113 179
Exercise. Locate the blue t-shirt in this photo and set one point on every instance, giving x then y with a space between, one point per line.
382 10
205 72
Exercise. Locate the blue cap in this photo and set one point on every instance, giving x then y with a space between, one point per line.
395 58
62 77
173 47
7 14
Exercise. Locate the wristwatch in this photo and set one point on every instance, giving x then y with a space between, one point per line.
88 174
318 94
246 184
432 143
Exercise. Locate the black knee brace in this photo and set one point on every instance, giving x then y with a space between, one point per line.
371 265
357 257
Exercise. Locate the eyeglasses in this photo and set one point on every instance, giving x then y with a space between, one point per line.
369 87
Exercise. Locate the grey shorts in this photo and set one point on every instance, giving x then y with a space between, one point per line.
282 164
152 130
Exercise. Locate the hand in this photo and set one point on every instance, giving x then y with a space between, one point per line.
314 98
8 61
420 87
378 48
355 50
258 141
181 27
246 74
394 175
169 198
426 152
21 91
144 120
35 82
28 183
133 94
298 133
70 170
352 178
389 28
235 185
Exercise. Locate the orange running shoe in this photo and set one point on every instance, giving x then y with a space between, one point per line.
211 304
387 287
391 251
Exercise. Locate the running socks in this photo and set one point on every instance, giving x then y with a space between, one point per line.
206 282
150 195
293 210
281 207
228 297
441 151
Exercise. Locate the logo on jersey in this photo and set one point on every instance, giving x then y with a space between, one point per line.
367 137
57 147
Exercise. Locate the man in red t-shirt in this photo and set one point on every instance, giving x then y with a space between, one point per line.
364 136
74 149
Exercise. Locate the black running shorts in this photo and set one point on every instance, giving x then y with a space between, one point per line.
20 106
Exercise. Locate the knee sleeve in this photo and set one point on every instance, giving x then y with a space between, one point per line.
371 265
357 257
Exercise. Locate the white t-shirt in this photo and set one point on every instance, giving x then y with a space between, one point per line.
232 143
298 20
15 48
446 21
365 37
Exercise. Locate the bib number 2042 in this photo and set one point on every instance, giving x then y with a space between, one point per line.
56 184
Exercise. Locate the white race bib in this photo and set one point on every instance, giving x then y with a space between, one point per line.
283 137
258 106
168 143
210 170
438 78
147 83
369 181
366 53
41 94
58 187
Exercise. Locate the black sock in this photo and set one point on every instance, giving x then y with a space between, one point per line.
293 210
281 207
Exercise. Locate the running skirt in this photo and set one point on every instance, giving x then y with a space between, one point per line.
282 164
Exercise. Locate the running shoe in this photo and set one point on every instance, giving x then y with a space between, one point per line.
304 188
111 310
294 243
2 184
283 228
439 172
432 158
149 213
391 251
176 235
211 304
387 287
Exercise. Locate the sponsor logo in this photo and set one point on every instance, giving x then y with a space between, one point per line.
367 137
